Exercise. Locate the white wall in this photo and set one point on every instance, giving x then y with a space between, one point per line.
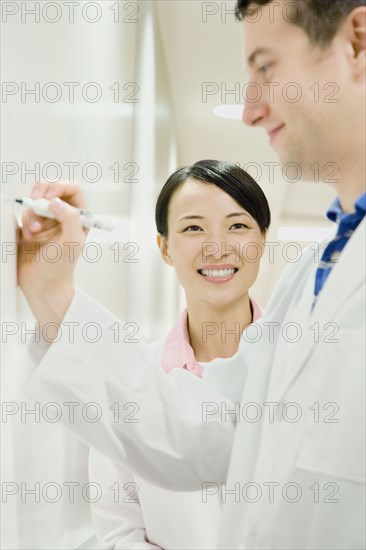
129 133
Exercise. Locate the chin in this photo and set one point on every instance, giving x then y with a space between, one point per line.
290 157
222 301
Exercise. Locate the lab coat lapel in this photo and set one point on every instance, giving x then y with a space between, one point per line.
345 278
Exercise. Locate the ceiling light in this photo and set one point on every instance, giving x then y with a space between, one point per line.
316 234
234 112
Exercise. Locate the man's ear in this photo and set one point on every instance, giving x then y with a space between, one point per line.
356 30
163 247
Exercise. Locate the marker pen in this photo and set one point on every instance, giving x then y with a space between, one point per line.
89 219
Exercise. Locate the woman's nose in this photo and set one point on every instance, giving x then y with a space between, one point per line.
219 246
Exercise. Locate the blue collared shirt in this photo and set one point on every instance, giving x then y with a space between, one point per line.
347 224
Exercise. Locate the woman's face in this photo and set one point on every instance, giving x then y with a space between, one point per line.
213 243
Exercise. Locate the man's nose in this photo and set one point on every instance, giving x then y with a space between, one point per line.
254 111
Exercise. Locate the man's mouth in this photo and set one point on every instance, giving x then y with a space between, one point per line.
273 133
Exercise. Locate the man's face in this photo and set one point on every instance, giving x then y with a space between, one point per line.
303 92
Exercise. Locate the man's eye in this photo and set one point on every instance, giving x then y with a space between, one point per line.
264 69
239 226
193 228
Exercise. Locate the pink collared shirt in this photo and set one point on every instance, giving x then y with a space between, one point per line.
177 350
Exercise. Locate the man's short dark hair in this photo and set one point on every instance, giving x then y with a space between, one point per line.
320 19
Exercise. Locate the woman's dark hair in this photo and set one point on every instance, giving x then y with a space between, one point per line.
320 19
228 177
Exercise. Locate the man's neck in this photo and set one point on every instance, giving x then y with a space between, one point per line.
351 181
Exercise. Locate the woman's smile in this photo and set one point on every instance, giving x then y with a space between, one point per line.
218 273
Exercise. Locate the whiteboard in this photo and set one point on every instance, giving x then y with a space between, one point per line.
46 139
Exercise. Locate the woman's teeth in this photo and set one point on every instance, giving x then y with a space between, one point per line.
218 273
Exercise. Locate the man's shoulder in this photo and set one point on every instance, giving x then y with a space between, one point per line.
294 276
305 262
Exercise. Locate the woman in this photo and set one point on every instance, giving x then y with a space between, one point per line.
212 220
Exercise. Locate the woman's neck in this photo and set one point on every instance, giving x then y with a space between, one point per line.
215 331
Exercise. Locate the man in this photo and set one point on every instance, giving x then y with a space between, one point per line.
309 43
296 475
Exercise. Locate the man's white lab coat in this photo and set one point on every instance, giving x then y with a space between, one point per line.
315 464
296 470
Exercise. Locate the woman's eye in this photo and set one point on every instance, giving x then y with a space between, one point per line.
239 226
193 228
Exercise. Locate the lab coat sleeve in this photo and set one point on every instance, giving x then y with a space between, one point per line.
114 396
117 514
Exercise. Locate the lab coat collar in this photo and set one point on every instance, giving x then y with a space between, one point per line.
343 281
345 277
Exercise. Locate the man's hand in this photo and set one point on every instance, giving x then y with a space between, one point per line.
48 251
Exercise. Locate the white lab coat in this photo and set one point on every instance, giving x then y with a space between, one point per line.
324 456
322 460
135 514
105 384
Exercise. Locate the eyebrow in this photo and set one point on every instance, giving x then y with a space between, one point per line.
193 217
238 214
258 51
197 217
